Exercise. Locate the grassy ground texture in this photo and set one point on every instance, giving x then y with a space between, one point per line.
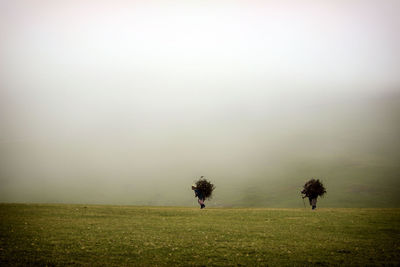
147 236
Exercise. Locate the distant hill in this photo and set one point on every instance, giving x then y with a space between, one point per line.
261 159
355 151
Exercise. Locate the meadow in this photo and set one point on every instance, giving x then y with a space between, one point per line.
60 234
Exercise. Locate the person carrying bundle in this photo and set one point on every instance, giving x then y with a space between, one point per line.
202 190
312 190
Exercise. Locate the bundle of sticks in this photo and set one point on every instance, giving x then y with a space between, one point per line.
206 187
313 189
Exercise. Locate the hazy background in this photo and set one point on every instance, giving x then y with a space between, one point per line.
129 102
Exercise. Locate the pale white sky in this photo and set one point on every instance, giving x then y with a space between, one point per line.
154 56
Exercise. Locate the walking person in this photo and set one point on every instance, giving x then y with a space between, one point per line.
312 190
203 190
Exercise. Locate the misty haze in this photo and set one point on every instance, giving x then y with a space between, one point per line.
131 103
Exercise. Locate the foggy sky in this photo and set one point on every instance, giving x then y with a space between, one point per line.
123 102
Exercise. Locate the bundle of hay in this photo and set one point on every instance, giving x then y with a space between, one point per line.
205 187
313 189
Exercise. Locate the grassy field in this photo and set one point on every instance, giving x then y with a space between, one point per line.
145 236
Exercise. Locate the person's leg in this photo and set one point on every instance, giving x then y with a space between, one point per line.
314 203
201 202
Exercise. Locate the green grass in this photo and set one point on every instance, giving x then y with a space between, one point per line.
146 236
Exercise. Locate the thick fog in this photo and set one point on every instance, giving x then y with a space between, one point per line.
119 102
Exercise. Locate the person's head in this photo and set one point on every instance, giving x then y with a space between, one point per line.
193 186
